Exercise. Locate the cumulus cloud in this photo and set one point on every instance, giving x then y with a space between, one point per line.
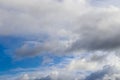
104 72
82 68
71 26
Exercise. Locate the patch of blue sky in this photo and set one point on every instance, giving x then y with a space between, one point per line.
104 3
7 46
7 64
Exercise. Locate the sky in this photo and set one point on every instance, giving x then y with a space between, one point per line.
59 40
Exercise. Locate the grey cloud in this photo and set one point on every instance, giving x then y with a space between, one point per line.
44 78
107 73
96 28
29 49
98 58
99 75
99 31
97 42
72 25
36 48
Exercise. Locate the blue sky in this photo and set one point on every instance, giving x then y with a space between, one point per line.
8 44
59 39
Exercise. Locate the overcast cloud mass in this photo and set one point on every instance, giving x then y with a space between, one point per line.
63 39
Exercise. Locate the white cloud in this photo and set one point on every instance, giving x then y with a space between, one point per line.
82 64
34 16
82 68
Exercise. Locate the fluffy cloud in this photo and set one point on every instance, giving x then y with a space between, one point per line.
69 26
35 17
82 68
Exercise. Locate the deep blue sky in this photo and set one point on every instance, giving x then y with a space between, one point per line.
8 45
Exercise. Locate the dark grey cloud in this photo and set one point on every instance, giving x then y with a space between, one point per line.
95 43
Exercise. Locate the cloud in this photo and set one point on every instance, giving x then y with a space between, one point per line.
82 68
36 48
71 26
25 77
108 72
45 78
99 74
98 31
35 17
47 60
82 64
30 49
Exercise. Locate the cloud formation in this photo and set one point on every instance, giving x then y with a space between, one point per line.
70 27
74 69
